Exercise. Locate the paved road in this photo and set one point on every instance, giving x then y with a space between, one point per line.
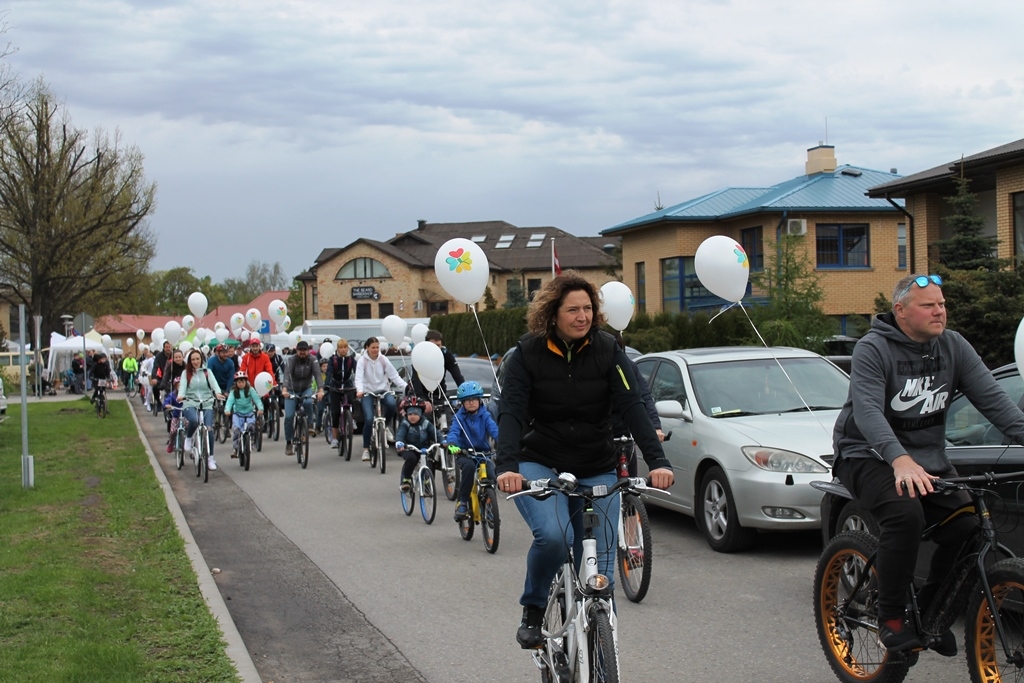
327 580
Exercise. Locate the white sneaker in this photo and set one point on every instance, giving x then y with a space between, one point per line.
391 437
334 444
212 463
188 443
366 455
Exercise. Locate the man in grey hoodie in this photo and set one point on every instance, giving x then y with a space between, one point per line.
889 442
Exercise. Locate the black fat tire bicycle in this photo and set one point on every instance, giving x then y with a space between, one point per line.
986 577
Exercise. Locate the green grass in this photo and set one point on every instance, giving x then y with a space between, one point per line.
94 581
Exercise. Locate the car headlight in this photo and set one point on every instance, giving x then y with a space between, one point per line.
778 460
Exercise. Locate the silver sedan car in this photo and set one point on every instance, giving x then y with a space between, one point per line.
751 427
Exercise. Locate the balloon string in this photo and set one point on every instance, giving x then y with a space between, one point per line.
494 372
779 363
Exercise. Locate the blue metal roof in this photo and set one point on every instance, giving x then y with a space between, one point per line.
841 190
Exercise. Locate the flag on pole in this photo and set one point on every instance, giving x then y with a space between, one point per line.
556 267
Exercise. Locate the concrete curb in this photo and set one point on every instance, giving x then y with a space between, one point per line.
236 648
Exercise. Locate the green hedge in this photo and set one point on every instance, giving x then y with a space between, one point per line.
501 329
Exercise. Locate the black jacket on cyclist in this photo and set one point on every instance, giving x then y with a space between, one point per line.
451 367
341 372
619 428
301 374
558 401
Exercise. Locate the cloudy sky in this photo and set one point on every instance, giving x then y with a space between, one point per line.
274 129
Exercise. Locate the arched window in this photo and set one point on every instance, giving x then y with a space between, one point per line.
363 269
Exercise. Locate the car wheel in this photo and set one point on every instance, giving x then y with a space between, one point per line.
854 517
716 515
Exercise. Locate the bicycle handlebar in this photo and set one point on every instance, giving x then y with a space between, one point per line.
955 483
542 488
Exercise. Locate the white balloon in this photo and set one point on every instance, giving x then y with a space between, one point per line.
287 322
222 334
419 333
172 331
264 383
201 334
197 303
326 349
245 335
106 340
404 347
140 333
157 336
722 267
130 341
237 321
294 337
462 270
185 347
428 361
187 323
253 318
1018 346
219 326
205 349
393 328
277 311
617 304
143 347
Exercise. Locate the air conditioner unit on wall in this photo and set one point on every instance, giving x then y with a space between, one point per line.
417 306
796 226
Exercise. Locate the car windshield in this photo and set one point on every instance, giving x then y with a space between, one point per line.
477 371
759 387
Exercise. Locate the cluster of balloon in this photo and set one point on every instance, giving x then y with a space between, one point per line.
428 361
722 267
264 383
462 269
617 303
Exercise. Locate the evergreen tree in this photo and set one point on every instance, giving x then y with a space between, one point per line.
516 294
968 248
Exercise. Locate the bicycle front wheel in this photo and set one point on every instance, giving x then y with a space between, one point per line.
301 441
258 436
381 437
847 622
449 475
179 449
603 654
274 421
635 548
409 500
490 521
345 429
986 658
245 453
428 497
557 664
204 446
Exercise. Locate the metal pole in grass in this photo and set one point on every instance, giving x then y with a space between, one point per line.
27 469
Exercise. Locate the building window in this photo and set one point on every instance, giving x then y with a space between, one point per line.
363 312
437 308
752 240
363 269
341 311
315 302
641 287
384 310
532 287
1018 224
671 290
901 245
842 245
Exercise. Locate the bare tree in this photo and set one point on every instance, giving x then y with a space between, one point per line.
73 209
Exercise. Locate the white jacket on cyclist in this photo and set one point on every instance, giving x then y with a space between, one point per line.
376 376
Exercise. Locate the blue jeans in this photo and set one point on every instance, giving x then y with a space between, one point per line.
389 412
192 417
238 423
289 412
557 522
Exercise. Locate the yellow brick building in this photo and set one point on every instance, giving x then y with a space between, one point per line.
857 243
371 279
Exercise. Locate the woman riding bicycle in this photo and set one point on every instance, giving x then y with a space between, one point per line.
340 377
375 374
199 386
557 401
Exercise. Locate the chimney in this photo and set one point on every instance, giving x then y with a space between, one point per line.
421 223
821 159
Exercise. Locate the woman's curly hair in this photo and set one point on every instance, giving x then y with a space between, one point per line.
543 311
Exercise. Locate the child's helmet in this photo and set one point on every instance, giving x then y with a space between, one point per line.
470 389
241 375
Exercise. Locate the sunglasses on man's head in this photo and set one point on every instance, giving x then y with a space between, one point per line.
923 281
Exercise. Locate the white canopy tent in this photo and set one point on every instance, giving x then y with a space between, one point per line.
63 349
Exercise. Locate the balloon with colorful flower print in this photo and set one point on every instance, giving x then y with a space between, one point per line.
287 322
276 311
187 323
264 383
254 319
722 267
237 321
462 270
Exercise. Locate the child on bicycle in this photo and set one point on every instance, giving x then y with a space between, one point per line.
173 404
470 428
243 406
414 431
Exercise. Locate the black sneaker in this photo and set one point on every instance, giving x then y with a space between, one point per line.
943 644
528 636
898 641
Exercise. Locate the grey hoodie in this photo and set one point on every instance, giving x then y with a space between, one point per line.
900 391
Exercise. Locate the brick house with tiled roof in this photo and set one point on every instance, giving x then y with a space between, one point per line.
373 279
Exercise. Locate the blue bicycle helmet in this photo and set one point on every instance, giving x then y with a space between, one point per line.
470 389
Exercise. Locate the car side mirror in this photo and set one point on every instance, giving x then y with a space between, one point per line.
673 409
